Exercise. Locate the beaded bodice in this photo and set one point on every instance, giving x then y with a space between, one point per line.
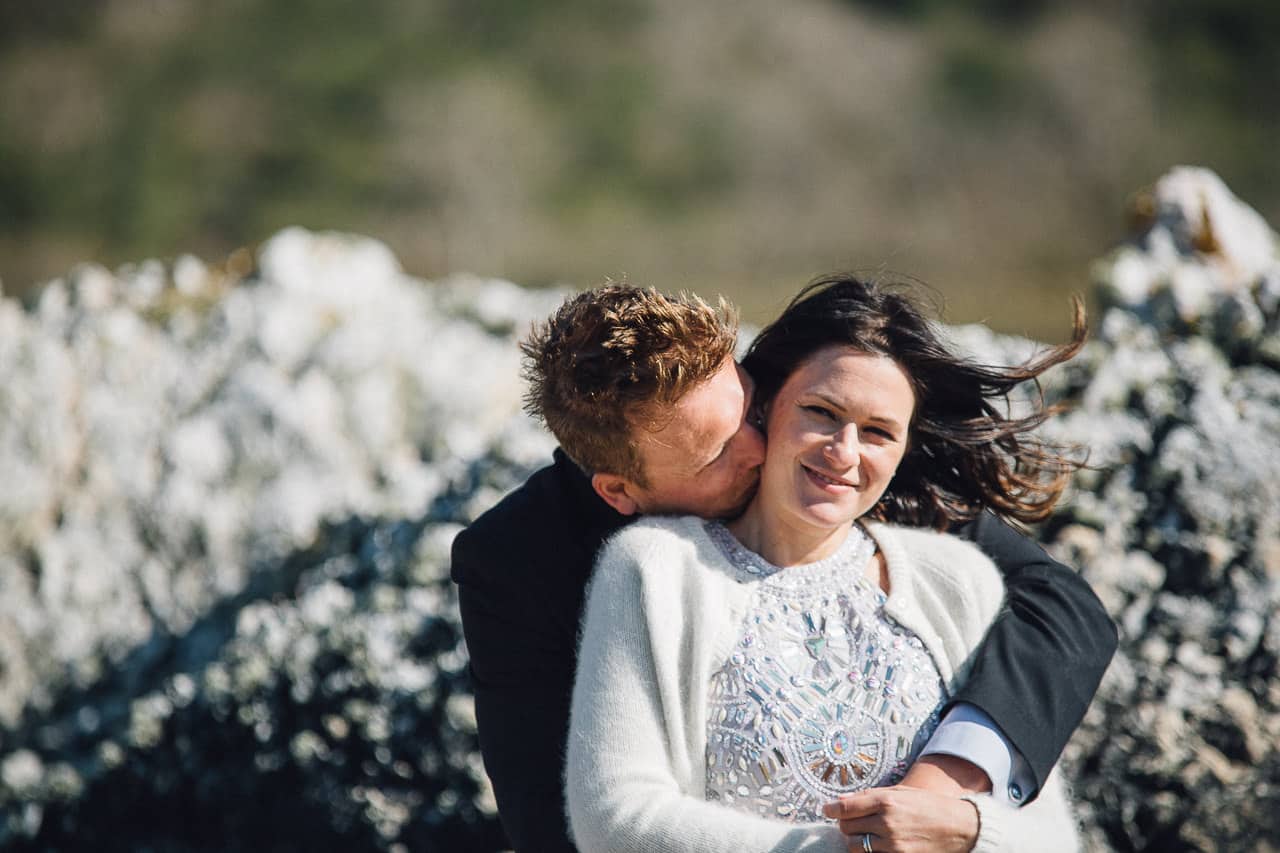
823 694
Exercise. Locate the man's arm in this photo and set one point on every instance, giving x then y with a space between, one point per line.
968 754
522 708
521 569
1044 656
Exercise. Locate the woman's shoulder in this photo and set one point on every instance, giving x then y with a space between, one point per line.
656 541
661 563
655 531
941 555
919 540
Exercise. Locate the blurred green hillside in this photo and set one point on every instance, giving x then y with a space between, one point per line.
738 146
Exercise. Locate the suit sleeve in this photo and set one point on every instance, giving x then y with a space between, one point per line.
1044 656
518 670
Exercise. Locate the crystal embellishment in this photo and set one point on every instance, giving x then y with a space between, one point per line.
826 698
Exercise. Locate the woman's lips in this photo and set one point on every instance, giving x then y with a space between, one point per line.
826 480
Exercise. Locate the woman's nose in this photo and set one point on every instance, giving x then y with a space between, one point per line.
843 446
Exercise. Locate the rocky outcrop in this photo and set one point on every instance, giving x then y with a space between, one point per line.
229 495
1177 523
1178 528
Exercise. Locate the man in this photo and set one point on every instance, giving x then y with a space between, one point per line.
654 416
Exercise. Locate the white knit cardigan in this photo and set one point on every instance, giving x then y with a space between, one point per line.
663 610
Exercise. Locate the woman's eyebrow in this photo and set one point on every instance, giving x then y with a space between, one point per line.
892 423
829 400
840 406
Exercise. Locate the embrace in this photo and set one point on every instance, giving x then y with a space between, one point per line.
775 605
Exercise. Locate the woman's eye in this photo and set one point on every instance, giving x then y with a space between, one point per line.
881 432
821 411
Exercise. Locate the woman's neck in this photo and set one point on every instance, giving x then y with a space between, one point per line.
782 541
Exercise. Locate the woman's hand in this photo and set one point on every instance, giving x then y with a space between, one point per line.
906 820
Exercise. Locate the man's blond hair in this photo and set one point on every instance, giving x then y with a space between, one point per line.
611 361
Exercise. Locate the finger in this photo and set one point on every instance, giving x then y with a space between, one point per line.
861 843
860 804
874 824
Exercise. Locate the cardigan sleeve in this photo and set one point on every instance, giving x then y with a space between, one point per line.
622 782
1046 825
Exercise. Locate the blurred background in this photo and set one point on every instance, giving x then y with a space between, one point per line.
733 146
226 619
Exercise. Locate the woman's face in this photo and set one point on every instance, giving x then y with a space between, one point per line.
837 430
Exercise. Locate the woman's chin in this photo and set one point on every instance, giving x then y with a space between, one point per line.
827 515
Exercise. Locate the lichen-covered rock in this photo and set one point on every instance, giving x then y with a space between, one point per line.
230 494
1204 264
1180 750
225 618
1177 526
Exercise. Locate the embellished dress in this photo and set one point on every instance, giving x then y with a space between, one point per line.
823 693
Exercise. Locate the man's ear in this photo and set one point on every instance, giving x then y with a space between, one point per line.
618 492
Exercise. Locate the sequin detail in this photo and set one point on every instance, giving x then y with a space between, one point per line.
823 694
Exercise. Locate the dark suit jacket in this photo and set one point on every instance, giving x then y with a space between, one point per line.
521 570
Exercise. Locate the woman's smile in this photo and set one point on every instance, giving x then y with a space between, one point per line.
828 481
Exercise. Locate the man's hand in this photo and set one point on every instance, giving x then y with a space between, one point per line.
906 820
947 774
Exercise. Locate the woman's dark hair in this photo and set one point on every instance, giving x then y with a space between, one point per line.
963 455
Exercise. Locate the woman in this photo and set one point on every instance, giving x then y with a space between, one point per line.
735 678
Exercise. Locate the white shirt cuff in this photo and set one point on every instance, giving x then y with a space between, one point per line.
968 732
